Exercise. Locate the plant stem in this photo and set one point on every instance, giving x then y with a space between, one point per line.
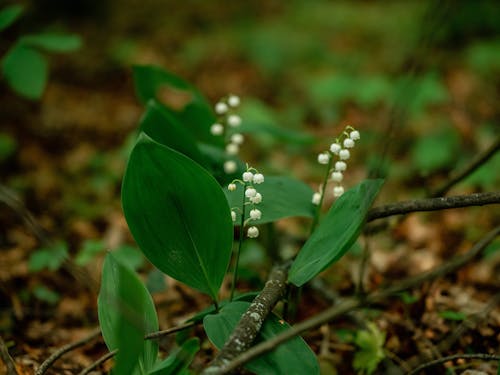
240 243
322 189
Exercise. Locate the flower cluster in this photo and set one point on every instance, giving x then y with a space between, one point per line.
250 178
227 118
340 149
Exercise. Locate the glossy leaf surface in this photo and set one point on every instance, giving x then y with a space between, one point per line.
336 234
281 197
164 128
127 313
291 357
178 215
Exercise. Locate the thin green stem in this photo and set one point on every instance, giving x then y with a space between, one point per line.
240 243
322 189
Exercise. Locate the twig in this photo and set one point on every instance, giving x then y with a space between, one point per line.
100 361
155 335
483 356
249 325
434 204
7 359
64 349
458 176
354 303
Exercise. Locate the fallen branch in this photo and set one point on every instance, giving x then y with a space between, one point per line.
7 359
251 321
433 204
66 348
483 356
350 304
155 335
458 176
99 362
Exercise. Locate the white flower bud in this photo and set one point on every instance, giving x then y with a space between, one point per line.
338 191
233 100
253 232
232 149
255 214
237 138
257 199
230 166
335 148
233 215
250 192
231 187
337 176
221 108
354 135
234 120
340 166
344 154
258 178
217 129
323 158
348 143
247 176
316 198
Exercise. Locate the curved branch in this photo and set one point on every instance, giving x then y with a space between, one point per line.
66 348
479 160
434 204
7 359
100 361
155 335
484 356
353 303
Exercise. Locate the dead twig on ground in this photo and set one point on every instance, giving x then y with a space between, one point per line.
7 359
483 356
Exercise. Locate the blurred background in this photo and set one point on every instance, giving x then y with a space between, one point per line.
419 79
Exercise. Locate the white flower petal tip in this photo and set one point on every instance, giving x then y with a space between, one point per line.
217 129
354 135
323 158
348 143
234 120
335 148
233 101
338 191
256 199
250 192
258 178
231 187
233 216
221 108
316 198
340 166
230 166
247 176
255 214
237 138
253 232
337 176
344 154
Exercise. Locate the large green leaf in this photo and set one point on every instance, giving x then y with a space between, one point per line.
25 70
196 114
336 233
281 197
179 360
178 215
126 314
53 42
9 15
164 128
293 357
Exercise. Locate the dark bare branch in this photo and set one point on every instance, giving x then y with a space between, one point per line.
483 356
7 359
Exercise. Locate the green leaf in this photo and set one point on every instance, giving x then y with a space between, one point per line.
178 215
196 113
89 250
52 42
50 257
371 349
291 357
165 129
9 15
129 256
336 234
179 360
8 146
45 294
126 314
281 197
25 70
452 315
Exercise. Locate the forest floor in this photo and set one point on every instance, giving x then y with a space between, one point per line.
64 156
